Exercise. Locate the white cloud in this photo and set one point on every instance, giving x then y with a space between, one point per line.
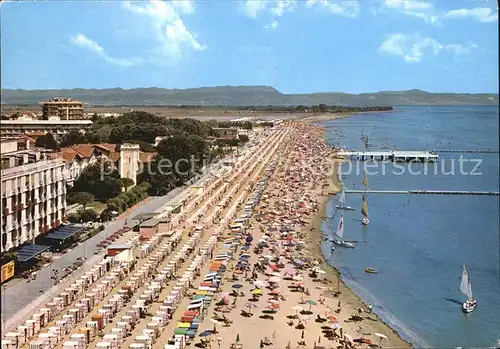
274 24
482 14
348 8
253 7
413 47
84 42
274 9
283 6
415 8
171 32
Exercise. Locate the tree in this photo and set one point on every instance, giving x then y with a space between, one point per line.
73 217
106 215
88 215
82 198
47 141
127 182
243 138
72 138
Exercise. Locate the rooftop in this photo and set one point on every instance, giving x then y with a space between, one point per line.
45 122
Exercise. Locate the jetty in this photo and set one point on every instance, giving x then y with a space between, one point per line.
428 192
388 155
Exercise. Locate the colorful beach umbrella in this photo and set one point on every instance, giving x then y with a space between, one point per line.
236 286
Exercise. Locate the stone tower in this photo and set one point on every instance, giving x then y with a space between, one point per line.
129 161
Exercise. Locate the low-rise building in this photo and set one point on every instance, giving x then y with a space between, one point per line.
33 194
225 132
125 157
55 126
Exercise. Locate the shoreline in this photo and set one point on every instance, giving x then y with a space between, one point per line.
314 242
334 116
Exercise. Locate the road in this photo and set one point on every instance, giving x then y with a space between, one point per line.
15 298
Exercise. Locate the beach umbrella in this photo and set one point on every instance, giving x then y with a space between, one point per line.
304 317
257 291
238 338
259 283
250 306
297 308
311 303
332 318
206 333
273 306
297 278
236 286
335 326
216 322
380 336
245 248
274 279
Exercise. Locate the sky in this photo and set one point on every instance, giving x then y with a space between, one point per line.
295 46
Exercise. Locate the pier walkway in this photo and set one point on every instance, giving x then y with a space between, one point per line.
396 156
473 151
428 192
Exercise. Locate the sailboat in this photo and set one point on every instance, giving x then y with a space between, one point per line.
364 206
466 288
339 239
342 201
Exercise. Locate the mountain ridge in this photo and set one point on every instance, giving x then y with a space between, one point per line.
242 96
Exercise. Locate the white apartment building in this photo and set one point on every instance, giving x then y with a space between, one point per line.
33 194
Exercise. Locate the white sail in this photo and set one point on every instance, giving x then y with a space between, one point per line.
342 198
465 285
340 228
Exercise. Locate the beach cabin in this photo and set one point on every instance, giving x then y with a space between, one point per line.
115 249
149 228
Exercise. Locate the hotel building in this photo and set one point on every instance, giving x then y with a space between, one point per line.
63 108
33 193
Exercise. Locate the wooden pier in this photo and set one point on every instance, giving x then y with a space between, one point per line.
468 151
427 192
387 155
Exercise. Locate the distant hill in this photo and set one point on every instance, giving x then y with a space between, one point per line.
243 96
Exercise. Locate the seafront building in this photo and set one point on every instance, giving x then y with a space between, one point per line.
63 108
55 126
33 193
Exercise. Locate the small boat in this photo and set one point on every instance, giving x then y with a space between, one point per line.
364 211
466 288
342 202
371 271
339 240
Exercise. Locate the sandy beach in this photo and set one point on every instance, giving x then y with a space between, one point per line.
224 281
285 315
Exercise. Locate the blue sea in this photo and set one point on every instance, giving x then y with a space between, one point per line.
418 243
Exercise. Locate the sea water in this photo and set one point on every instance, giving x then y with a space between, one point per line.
418 243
